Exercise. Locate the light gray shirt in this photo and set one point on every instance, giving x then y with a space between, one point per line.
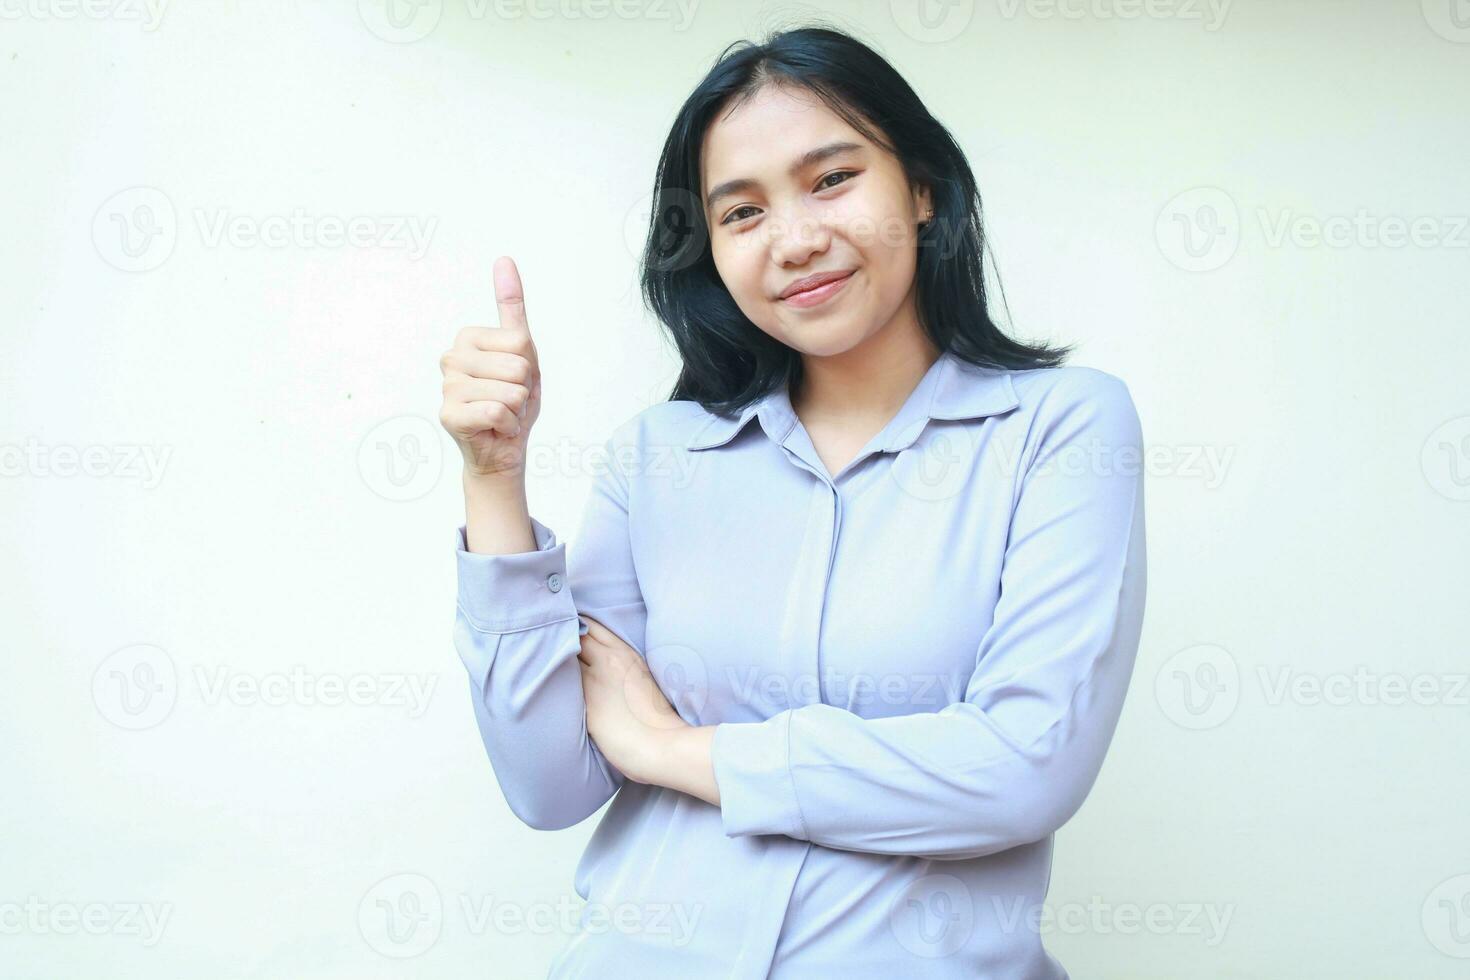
915 664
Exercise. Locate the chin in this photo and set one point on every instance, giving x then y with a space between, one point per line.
817 342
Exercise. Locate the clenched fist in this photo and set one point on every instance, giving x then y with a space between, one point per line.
492 384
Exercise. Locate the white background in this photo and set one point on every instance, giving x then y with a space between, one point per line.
295 526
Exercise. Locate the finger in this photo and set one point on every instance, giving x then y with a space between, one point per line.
490 365
464 391
600 632
466 419
496 339
510 298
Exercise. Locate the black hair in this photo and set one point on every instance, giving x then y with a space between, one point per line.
729 362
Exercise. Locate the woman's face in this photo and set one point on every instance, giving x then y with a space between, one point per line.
846 209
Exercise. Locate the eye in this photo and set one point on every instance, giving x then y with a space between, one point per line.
732 215
821 186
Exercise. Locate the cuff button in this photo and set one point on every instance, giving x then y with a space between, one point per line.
553 582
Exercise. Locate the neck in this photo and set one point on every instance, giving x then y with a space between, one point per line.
870 381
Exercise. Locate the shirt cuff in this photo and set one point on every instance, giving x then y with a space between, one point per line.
753 772
507 593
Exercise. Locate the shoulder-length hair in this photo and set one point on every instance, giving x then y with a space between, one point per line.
729 362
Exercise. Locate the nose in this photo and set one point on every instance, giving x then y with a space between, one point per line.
797 234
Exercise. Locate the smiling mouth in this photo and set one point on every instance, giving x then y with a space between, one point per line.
818 294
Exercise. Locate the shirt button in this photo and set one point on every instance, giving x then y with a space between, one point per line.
553 582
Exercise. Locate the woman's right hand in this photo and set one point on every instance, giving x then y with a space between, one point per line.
492 385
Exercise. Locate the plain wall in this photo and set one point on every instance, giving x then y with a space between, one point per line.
1254 213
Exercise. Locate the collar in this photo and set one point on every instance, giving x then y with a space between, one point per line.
951 389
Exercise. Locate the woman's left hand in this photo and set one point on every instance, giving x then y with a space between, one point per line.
627 713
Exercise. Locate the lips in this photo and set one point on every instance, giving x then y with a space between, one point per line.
813 282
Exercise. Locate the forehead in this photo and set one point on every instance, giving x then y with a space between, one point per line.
761 133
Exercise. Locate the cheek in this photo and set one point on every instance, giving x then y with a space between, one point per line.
892 277
882 237
740 270
876 227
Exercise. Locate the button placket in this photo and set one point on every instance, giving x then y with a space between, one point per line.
834 531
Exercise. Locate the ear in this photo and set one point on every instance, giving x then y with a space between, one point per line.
923 202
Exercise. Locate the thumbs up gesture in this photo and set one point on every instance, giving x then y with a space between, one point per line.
492 384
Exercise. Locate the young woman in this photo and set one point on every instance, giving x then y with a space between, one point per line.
849 620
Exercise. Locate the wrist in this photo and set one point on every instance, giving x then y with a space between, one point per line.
655 758
503 483
680 759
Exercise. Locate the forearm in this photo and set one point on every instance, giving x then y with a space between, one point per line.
516 631
681 759
943 786
497 517
551 777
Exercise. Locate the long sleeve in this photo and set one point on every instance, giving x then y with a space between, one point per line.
517 632
1014 760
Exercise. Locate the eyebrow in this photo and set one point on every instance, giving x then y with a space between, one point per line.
808 158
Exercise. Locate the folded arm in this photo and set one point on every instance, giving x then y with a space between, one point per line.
1015 759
